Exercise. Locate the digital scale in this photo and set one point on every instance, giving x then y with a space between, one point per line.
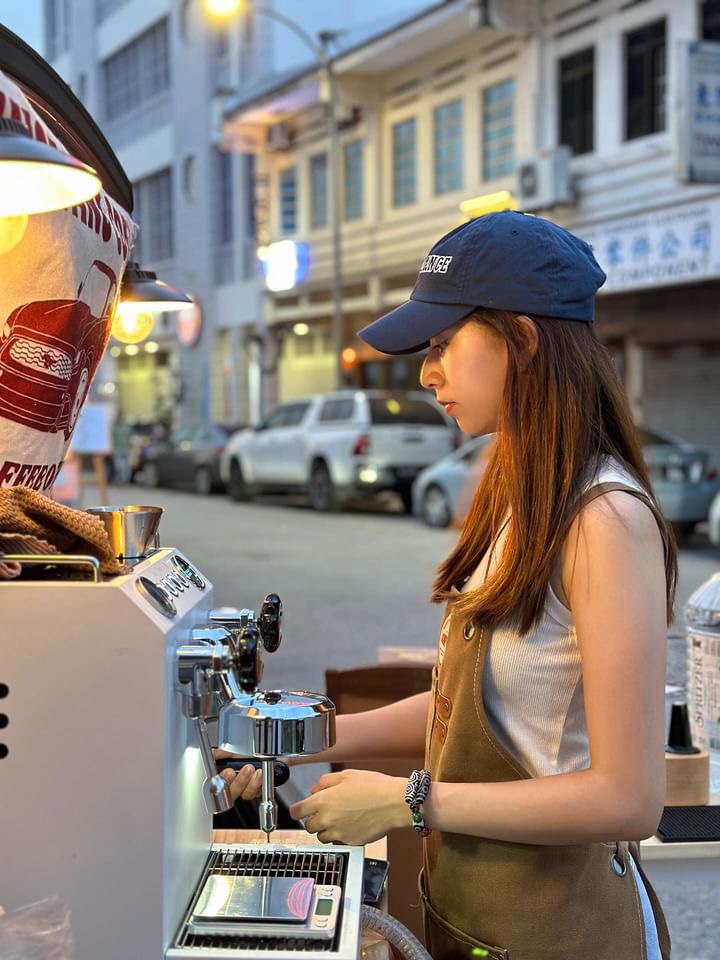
286 907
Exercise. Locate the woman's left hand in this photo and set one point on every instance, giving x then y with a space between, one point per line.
354 807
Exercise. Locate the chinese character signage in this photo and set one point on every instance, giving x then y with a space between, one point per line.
698 119
672 246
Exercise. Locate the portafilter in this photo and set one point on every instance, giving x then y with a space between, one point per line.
268 724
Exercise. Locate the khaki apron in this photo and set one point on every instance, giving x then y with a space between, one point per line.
517 901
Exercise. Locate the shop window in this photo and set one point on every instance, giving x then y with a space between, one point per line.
225 227
154 215
57 27
404 137
304 346
248 184
137 73
103 8
224 217
318 190
354 199
710 16
498 130
288 200
400 373
645 80
448 146
576 96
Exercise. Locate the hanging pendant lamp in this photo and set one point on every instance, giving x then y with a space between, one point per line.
38 178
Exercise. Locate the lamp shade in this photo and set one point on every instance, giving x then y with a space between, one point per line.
142 291
38 178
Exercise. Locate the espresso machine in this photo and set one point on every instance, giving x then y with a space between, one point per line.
110 688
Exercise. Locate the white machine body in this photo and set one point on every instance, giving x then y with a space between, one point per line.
102 784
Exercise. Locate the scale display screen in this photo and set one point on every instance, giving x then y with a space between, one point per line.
261 899
324 908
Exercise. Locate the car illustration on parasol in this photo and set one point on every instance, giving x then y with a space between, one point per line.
48 354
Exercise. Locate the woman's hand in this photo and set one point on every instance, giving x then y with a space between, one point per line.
354 807
246 783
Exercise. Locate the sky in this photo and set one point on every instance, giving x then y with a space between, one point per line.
24 18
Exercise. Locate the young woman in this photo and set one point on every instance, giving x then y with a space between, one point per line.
544 730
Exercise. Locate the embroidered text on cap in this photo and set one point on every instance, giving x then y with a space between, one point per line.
435 264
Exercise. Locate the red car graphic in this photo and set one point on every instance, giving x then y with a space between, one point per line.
49 351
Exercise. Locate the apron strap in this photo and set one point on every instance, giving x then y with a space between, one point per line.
602 488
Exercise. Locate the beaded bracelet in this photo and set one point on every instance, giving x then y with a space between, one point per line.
415 795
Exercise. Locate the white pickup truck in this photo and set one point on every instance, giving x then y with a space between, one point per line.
339 445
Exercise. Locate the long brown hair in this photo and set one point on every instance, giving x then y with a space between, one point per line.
562 413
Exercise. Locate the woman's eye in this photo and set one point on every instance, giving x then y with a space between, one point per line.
440 347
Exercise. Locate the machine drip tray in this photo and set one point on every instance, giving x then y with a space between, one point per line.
326 868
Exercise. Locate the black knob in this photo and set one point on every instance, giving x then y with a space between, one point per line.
270 622
248 665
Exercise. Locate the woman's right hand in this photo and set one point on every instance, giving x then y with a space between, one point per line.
245 783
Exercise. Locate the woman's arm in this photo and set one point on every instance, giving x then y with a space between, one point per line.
613 576
396 730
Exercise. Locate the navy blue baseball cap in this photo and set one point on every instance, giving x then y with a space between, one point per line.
502 261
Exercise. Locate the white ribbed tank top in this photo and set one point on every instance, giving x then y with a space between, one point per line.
532 684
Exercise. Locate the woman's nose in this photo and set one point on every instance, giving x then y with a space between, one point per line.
429 374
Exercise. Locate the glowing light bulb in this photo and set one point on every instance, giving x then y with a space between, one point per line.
131 325
348 358
12 230
223 8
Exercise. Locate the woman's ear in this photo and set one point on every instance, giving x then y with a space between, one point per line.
531 341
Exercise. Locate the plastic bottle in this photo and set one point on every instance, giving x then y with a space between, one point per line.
702 620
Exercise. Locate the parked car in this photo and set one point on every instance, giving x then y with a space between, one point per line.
338 445
439 492
714 521
187 458
681 478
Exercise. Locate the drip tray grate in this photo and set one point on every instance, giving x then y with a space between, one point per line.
326 868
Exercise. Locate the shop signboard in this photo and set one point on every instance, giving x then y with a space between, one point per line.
665 247
697 127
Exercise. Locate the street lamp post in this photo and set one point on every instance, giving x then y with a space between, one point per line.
321 51
335 201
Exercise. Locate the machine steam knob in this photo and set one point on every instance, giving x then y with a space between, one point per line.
270 622
248 665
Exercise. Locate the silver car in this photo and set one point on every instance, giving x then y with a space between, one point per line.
443 490
339 445
682 480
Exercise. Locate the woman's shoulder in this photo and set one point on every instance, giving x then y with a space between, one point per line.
608 511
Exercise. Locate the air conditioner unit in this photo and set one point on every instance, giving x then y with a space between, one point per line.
545 179
279 137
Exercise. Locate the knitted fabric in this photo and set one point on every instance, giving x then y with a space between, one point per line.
31 523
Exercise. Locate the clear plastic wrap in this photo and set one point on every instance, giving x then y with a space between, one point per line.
38 931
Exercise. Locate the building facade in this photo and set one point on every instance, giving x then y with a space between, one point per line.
591 113
155 75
